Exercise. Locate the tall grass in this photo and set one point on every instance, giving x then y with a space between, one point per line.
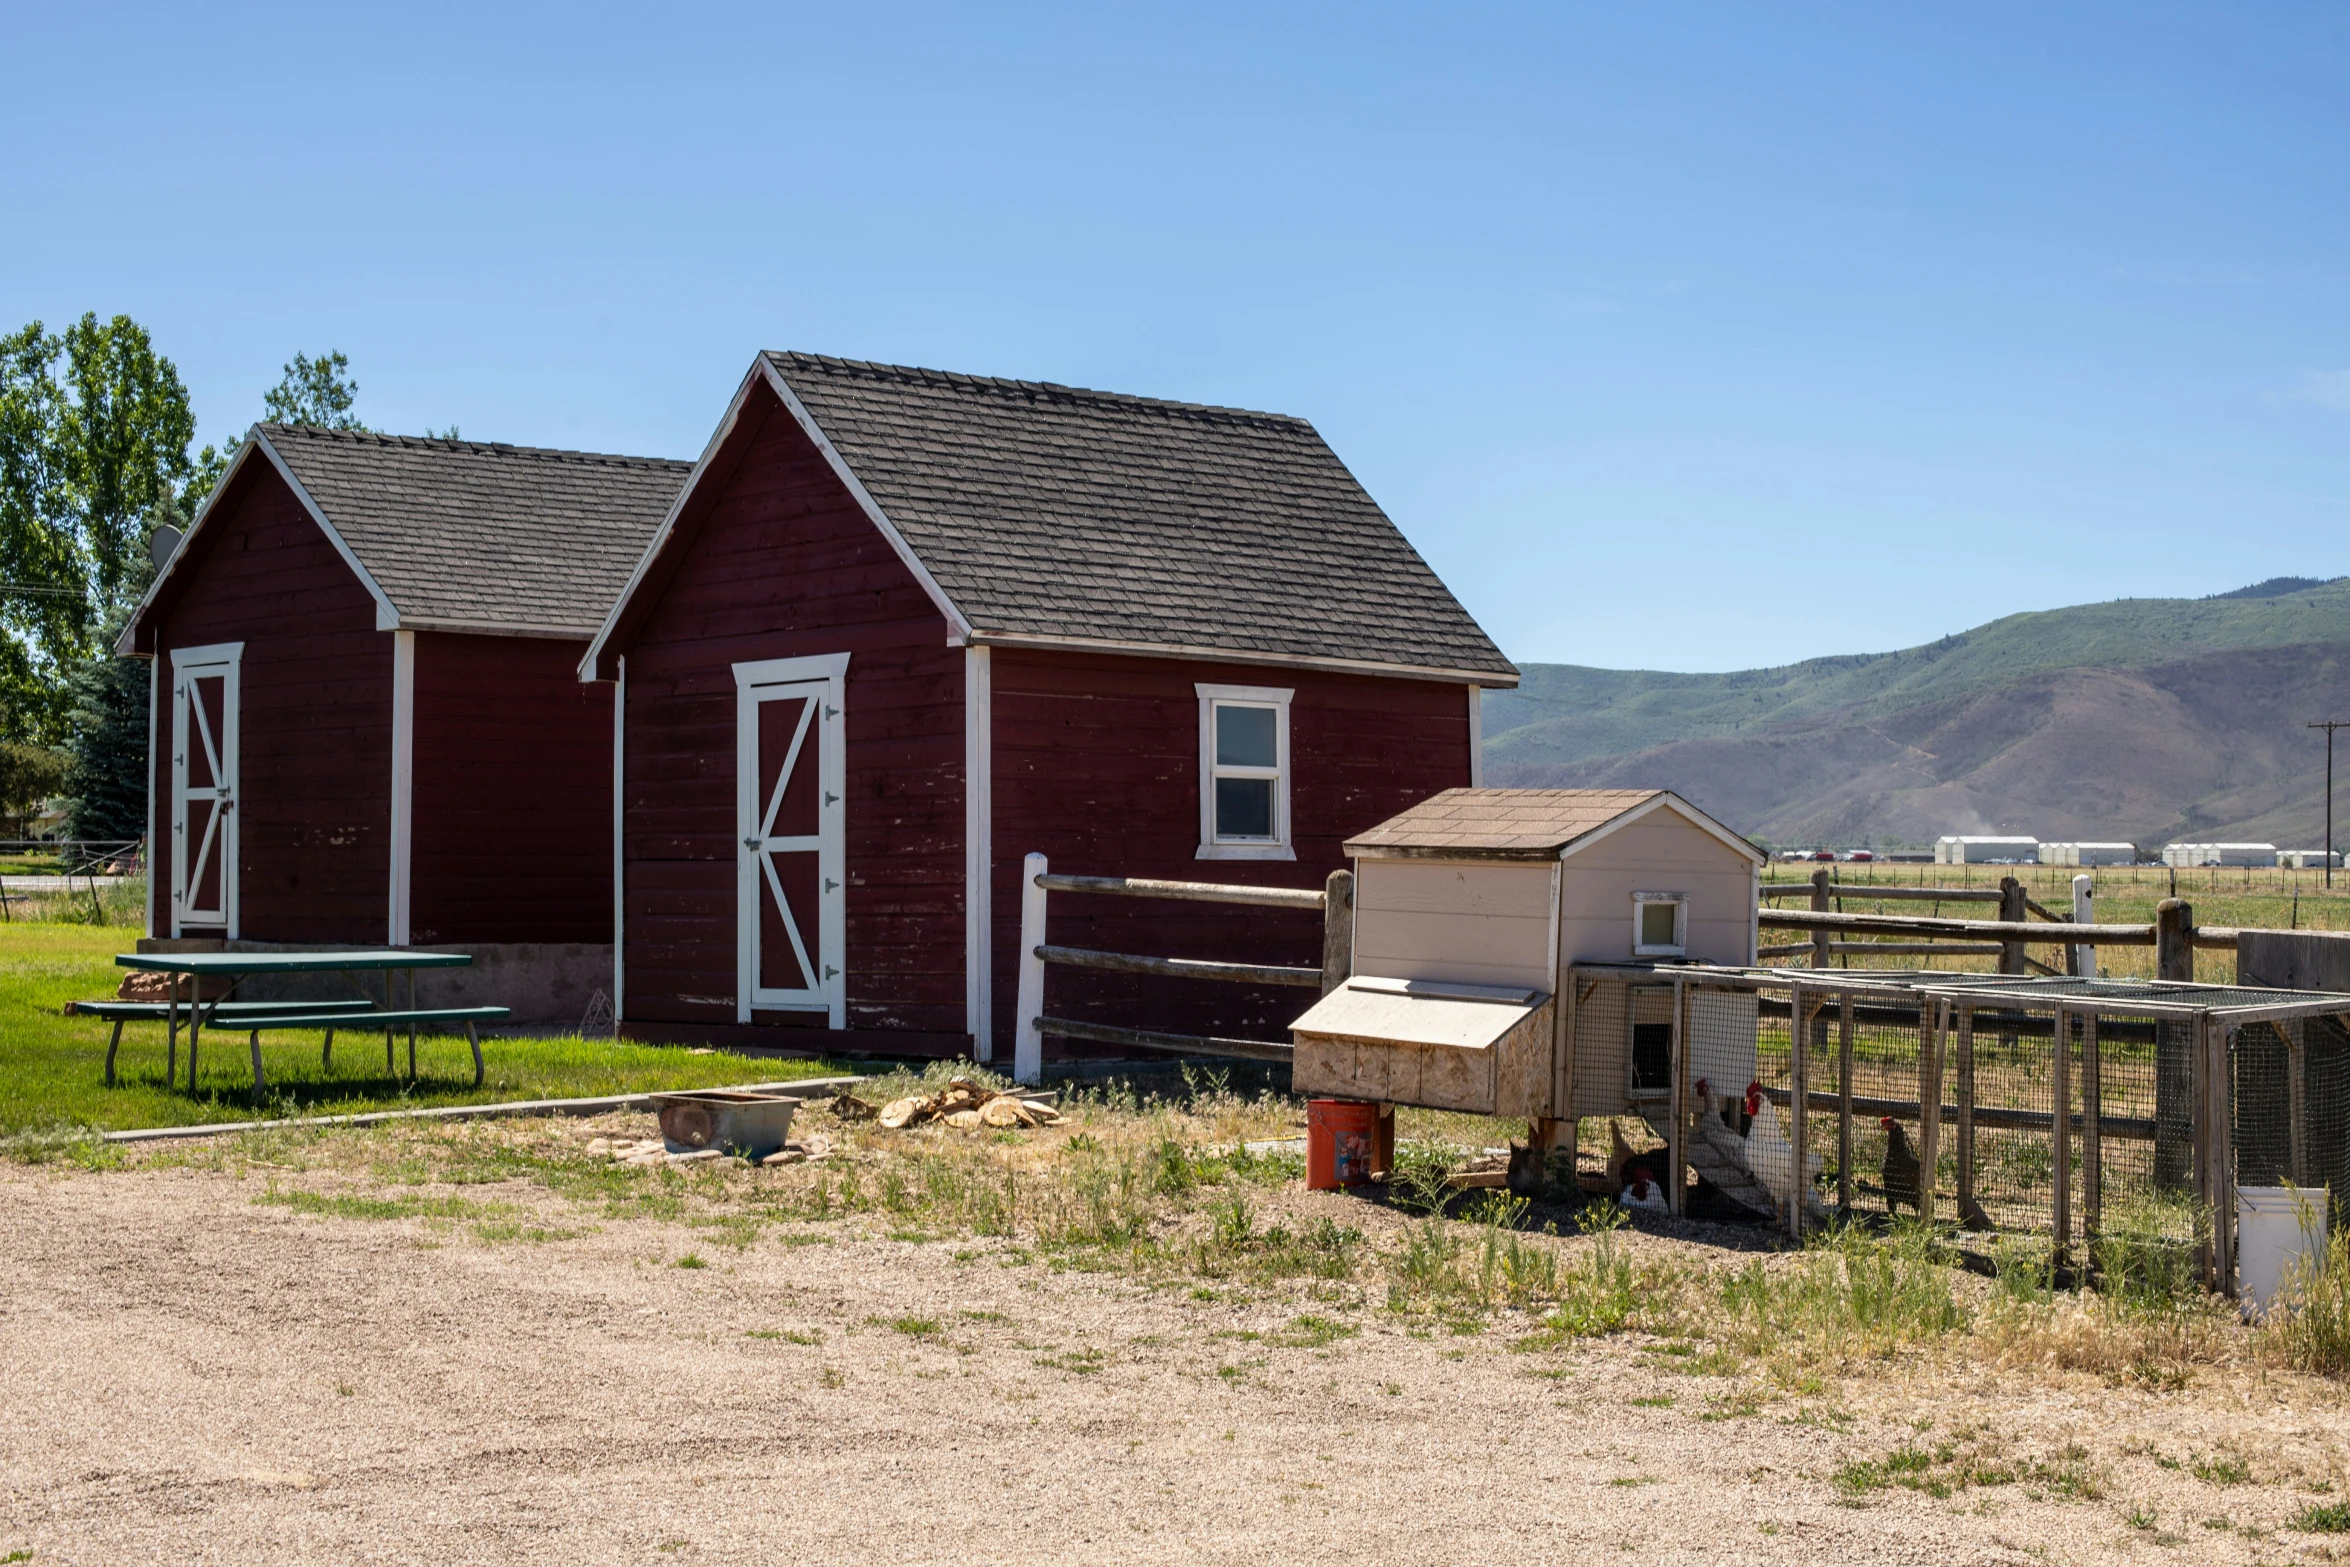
1847 1295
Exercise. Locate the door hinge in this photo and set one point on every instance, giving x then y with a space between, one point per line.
830 971
832 712
830 884
832 799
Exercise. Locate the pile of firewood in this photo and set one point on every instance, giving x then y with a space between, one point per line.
965 1106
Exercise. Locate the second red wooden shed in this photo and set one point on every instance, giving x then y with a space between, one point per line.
366 726
904 627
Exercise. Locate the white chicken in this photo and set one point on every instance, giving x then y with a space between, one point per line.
1769 1155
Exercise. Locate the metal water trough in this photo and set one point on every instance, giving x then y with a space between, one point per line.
754 1125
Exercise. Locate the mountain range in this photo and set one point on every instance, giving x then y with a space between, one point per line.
2143 720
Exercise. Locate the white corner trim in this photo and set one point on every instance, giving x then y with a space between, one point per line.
1476 737
619 845
156 836
644 562
958 624
403 784
979 850
387 614
1281 846
1661 801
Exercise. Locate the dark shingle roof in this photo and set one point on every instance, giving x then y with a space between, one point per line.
482 533
1047 510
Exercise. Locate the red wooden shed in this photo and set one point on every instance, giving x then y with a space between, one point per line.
366 725
903 627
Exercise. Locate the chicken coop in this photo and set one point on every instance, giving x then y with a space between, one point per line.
2067 1109
1468 909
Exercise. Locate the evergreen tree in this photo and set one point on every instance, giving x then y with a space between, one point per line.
106 786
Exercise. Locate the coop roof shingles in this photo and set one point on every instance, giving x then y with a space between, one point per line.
481 534
1499 823
1051 511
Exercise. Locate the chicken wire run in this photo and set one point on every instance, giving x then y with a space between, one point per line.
1937 1093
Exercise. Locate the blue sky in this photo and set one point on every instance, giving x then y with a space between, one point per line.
1649 325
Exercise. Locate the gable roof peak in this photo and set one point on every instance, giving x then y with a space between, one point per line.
1033 391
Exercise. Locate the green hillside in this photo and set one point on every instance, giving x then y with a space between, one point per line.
1568 714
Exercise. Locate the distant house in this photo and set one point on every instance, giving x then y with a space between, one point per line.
2232 854
368 723
1985 851
904 627
2088 854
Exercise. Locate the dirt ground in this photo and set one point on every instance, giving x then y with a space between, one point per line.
188 1374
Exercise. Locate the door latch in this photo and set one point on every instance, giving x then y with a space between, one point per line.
753 843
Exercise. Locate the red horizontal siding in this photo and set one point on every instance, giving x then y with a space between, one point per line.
512 793
314 792
1096 766
782 563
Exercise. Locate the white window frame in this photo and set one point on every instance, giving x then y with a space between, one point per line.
1680 903
1212 847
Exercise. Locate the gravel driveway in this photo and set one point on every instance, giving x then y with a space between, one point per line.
189 1374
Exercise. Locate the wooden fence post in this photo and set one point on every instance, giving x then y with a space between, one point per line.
2085 913
1677 1138
1800 1005
2060 1130
1338 930
2011 907
1844 1104
2175 1049
1028 1043
1819 905
1966 1109
1930 1110
2092 1138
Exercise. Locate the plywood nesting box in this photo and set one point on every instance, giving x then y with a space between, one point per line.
1470 907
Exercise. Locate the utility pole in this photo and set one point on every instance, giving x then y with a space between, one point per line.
2329 726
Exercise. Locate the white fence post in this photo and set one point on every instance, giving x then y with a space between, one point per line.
2085 913
1028 1044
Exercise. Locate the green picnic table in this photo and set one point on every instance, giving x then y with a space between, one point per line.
254 1017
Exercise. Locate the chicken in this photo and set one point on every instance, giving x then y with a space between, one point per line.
1619 1157
1644 1192
1901 1168
1972 1217
1769 1155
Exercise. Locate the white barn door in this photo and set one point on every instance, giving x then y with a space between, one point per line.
791 773
204 789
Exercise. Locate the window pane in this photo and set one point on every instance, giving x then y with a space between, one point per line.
1244 807
1656 924
1244 737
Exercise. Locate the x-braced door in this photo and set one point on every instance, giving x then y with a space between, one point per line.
790 775
204 788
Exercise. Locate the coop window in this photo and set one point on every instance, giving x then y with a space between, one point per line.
1660 924
1244 773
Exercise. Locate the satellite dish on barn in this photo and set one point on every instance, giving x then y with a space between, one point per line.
161 543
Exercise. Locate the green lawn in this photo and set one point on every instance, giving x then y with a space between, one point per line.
53 1067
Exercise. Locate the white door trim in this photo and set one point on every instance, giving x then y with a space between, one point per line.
619 848
220 843
755 682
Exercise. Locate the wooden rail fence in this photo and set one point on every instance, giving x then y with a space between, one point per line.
1335 903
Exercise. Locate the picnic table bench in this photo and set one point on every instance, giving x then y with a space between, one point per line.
255 1017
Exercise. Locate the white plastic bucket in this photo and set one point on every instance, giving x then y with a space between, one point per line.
2276 1226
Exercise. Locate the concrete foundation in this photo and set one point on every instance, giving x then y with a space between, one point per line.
545 983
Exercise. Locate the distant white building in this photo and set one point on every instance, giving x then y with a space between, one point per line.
1986 851
2088 854
2191 854
2309 859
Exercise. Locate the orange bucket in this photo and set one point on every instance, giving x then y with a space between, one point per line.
1347 1142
